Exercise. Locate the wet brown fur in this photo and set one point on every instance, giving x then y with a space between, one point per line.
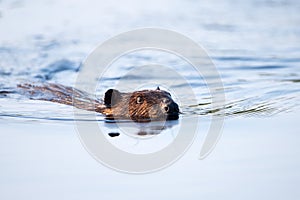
144 105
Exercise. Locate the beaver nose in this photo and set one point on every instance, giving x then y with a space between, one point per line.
171 108
167 108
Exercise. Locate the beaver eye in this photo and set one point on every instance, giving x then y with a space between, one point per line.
139 100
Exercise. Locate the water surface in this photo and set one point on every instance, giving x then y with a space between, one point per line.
253 44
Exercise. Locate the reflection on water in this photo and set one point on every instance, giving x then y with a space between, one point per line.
139 129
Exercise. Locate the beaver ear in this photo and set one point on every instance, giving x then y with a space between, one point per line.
157 88
112 97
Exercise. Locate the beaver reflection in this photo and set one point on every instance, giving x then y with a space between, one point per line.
149 129
140 106
114 134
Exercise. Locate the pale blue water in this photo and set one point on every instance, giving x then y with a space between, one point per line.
255 47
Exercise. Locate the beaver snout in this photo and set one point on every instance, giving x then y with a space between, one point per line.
171 108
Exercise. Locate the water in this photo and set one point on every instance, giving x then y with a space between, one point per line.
253 44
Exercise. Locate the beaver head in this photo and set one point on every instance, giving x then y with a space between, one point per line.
144 105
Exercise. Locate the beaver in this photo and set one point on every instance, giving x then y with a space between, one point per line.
143 105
